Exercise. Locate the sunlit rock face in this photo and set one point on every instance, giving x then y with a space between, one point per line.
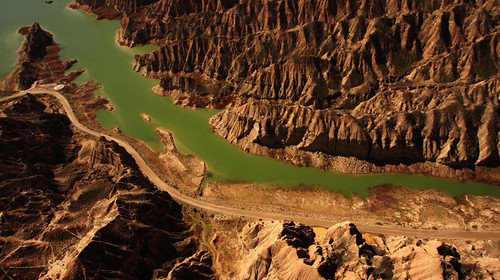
286 250
73 206
383 81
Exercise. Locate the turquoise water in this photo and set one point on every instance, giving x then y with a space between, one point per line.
93 44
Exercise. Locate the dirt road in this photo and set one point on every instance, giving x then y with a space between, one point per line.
219 209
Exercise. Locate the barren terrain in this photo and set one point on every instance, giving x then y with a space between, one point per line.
90 208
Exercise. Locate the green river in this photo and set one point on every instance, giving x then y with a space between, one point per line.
92 42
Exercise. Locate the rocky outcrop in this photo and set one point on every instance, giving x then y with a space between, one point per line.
458 129
34 49
291 251
76 207
37 41
397 80
38 61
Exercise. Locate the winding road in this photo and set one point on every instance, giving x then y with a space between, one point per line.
219 209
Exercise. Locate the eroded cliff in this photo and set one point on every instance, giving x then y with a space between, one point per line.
383 81
79 207
73 207
287 250
76 207
38 61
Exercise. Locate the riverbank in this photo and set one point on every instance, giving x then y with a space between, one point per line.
352 165
102 189
390 205
86 105
254 171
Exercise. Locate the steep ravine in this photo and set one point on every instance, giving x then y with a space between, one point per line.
286 250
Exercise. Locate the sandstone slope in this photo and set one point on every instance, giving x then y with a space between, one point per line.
383 81
286 250
76 207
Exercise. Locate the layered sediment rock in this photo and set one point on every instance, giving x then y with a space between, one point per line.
76 207
38 61
291 251
86 203
410 82
458 129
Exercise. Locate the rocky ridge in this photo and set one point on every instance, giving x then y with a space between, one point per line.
286 250
38 62
384 81
73 206
452 133
78 207
84 206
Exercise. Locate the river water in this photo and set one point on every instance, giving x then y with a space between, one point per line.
92 43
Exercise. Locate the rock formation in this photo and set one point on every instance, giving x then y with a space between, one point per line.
384 81
35 49
285 250
86 204
76 207
73 206
38 61
378 130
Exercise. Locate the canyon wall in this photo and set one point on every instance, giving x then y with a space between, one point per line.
384 81
286 250
77 207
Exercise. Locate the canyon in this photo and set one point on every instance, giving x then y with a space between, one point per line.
382 82
77 206
70 201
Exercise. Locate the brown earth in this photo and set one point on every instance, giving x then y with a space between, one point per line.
82 204
286 250
386 84
79 207
387 205
74 206
408 212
